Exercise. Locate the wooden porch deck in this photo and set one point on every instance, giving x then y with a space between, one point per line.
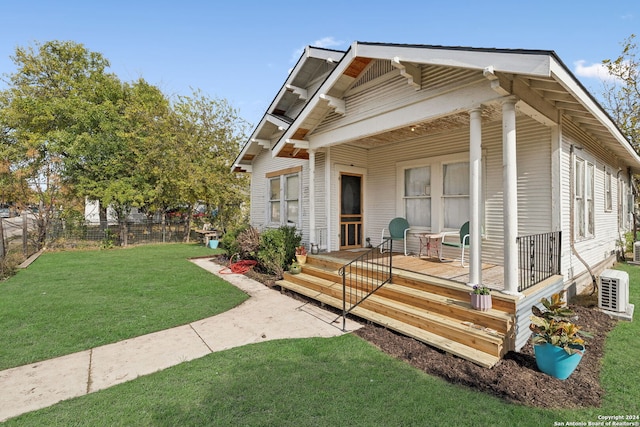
492 275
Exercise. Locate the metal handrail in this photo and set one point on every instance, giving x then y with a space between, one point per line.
539 257
364 275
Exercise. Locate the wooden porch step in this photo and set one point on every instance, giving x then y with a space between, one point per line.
420 309
448 306
478 337
330 283
461 350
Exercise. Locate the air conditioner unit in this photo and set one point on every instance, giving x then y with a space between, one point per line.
636 252
614 291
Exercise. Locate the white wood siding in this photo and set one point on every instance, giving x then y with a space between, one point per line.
263 164
599 248
391 91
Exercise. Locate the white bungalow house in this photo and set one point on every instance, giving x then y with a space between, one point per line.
505 139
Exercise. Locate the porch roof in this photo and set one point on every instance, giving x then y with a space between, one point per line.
545 87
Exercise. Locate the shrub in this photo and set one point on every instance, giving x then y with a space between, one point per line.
272 253
292 240
249 243
229 241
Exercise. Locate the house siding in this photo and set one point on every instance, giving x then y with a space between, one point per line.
596 251
263 164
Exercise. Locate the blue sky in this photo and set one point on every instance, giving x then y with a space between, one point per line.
242 50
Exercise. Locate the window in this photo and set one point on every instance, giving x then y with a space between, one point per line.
433 193
284 197
608 201
584 198
455 194
417 196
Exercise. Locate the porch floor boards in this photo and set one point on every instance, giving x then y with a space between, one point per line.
428 301
492 275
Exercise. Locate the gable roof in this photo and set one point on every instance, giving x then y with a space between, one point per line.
538 77
314 63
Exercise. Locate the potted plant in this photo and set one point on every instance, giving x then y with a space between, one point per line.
301 254
295 268
481 298
558 343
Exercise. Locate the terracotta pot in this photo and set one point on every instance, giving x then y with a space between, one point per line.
302 259
480 302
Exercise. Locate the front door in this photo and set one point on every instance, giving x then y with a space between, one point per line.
350 211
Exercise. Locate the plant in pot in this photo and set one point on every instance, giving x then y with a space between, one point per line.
481 298
301 254
558 343
295 267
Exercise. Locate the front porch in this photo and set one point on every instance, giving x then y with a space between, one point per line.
423 298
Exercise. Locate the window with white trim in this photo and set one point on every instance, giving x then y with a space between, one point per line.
417 196
284 197
433 193
584 199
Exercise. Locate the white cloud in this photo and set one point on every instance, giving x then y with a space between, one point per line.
594 71
325 42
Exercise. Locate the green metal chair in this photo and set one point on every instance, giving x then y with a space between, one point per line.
461 242
398 229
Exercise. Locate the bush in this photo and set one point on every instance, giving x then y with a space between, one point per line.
272 253
291 241
229 241
249 243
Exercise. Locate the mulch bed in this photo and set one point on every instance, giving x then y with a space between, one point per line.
516 378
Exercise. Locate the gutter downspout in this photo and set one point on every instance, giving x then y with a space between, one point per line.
572 220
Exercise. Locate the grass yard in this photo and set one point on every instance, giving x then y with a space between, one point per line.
72 301
341 381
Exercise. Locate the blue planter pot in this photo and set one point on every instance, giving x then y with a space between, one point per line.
555 361
213 244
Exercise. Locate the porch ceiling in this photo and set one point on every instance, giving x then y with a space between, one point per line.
429 127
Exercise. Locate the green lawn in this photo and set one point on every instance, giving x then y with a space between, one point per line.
71 301
340 381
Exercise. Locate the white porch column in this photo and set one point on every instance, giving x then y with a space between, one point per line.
475 186
510 198
312 196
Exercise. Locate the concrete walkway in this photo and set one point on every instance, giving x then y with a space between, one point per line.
266 315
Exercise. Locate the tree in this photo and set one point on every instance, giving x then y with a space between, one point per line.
196 166
622 95
50 101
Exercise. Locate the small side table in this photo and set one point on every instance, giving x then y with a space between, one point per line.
429 242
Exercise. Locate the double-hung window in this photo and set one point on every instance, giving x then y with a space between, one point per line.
433 193
584 204
284 197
